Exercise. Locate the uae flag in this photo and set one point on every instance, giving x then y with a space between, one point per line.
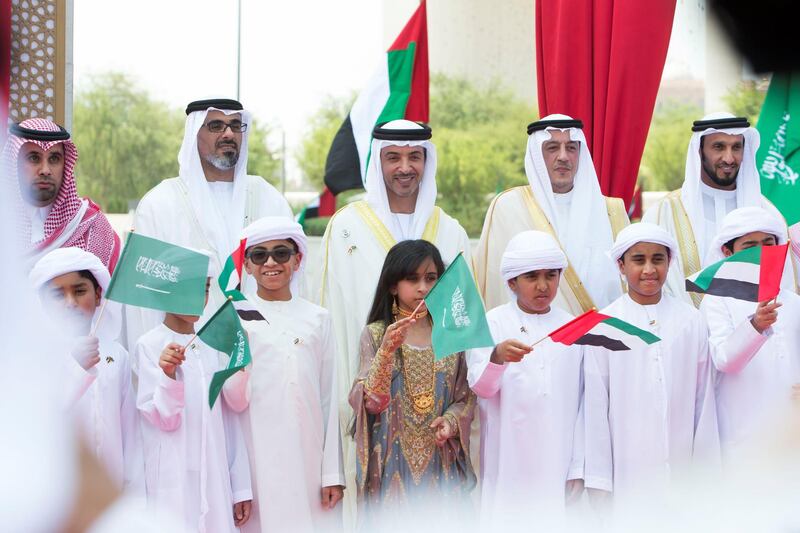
753 275
399 89
596 329
230 283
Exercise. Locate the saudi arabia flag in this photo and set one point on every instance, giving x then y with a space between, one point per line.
778 158
457 313
159 275
398 90
224 333
753 275
596 329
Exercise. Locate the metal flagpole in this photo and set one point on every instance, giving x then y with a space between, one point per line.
238 47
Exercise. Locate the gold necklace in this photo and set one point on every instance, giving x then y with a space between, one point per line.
405 314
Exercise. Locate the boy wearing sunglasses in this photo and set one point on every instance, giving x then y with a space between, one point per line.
291 422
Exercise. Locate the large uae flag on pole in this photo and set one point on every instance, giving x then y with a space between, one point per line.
399 89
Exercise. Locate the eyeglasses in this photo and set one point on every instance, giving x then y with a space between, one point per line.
218 126
281 255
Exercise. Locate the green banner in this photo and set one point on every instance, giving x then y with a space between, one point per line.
457 313
224 332
158 275
778 158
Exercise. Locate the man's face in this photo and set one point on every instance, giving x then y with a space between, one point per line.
721 157
220 149
402 168
40 173
561 158
645 266
751 240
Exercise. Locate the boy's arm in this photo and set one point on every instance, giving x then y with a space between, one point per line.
579 436
484 377
79 380
598 468
332 464
159 399
236 390
238 461
732 345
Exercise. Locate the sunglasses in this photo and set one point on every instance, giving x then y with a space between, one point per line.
281 255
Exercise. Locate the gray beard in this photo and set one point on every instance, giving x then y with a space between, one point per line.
223 162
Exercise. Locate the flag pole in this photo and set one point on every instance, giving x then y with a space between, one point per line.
99 316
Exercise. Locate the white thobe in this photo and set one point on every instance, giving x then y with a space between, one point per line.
531 419
292 423
195 458
650 410
717 204
104 403
508 216
754 371
353 261
166 214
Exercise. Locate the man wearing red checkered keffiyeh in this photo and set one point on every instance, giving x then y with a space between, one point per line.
39 159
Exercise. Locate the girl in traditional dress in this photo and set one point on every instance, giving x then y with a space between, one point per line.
412 413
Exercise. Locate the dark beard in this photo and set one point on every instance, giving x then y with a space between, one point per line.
37 196
711 172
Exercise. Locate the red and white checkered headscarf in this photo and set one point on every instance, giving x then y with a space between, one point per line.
93 234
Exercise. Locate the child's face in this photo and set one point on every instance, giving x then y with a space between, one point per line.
272 264
645 266
74 294
535 290
413 289
750 240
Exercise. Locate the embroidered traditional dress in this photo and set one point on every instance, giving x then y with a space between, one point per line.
399 466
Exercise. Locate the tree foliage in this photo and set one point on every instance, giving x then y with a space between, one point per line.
746 99
313 150
664 161
128 142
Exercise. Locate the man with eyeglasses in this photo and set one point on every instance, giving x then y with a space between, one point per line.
212 199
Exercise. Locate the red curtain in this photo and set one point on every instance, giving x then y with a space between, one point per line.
5 60
601 61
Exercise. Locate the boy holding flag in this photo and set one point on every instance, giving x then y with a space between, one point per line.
649 410
72 284
195 456
291 424
530 399
756 346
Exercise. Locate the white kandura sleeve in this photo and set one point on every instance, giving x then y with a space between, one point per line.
238 461
732 345
332 463
598 468
159 398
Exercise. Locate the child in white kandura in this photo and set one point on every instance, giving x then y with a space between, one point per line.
196 462
756 346
650 410
71 283
291 422
530 399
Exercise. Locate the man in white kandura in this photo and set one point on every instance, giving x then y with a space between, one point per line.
530 400
721 175
563 199
400 205
756 347
212 199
